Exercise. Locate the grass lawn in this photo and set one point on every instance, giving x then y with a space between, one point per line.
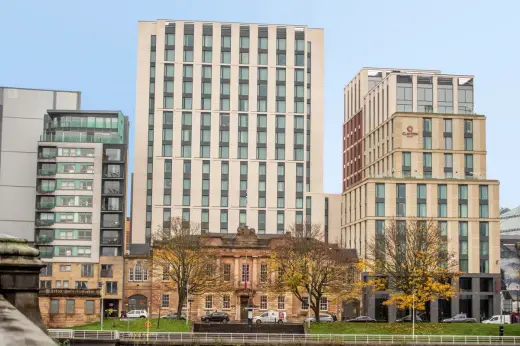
138 325
420 328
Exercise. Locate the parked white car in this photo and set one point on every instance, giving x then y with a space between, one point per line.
497 319
271 317
323 318
137 314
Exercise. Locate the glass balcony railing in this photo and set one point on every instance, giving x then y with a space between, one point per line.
46 189
46 254
45 205
113 175
44 239
47 155
107 191
111 224
112 207
81 139
41 223
110 241
47 172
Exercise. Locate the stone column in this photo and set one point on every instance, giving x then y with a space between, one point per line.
372 305
237 272
20 277
254 279
455 300
434 310
475 297
392 313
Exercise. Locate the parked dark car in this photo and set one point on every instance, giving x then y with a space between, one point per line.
408 318
173 316
460 318
216 317
360 319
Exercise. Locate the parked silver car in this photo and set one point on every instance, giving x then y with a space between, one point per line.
323 318
460 318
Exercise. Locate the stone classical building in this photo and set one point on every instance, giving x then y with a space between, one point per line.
243 257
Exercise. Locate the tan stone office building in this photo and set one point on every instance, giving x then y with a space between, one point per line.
229 120
415 148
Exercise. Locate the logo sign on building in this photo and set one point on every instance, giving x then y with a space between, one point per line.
410 132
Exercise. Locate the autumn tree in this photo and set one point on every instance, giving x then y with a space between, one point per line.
188 265
304 265
410 260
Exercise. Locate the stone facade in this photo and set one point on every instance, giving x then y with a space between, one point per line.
238 251
73 280
65 308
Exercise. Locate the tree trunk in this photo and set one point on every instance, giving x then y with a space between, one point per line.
159 318
182 295
316 310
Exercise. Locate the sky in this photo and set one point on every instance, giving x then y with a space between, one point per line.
90 46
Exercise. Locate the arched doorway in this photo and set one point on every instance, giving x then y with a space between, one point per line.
137 302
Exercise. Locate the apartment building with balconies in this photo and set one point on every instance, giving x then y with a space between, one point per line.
81 205
414 148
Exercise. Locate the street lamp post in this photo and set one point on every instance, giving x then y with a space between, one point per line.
127 319
148 324
413 313
187 305
501 328
100 285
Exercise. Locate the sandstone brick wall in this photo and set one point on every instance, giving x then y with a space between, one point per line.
64 320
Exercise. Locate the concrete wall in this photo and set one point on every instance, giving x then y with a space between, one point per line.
21 124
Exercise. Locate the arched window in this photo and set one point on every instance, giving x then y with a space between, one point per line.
138 273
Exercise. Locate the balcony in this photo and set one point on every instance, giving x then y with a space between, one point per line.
113 175
82 139
112 207
46 172
105 273
46 254
46 190
45 205
241 285
112 192
47 156
111 241
44 239
70 292
44 223
111 224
